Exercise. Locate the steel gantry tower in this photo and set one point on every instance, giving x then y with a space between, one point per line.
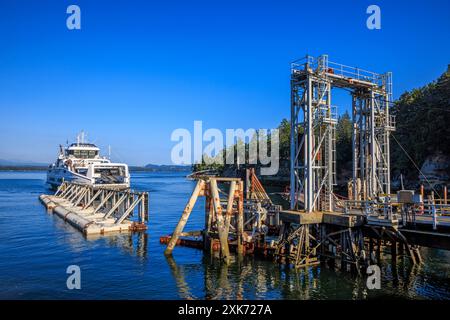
313 132
372 125
313 143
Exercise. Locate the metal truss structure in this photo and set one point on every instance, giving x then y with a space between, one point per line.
313 134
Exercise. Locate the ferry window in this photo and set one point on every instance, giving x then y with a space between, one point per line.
117 171
83 154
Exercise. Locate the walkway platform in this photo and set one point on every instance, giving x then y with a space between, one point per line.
334 218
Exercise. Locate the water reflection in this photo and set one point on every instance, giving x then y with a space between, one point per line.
135 244
132 243
248 278
180 279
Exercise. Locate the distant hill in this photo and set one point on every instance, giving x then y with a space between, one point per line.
167 167
161 168
17 163
13 165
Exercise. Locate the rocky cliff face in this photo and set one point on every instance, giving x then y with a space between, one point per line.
437 169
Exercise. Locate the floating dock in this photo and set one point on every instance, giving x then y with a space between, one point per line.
97 211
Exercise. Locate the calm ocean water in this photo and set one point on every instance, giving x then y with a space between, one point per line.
36 248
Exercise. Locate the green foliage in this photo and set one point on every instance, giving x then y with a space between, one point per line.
285 134
208 163
344 145
422 124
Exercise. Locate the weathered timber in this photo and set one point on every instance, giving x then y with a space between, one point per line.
343 220
301 217
184 217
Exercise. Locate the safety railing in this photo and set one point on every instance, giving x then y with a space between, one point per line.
322 64
430 208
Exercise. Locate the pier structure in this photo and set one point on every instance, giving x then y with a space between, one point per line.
320 226
239 215
97 210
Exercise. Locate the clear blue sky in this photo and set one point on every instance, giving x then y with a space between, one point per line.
137 70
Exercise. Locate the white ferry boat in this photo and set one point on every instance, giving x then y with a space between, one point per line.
81 163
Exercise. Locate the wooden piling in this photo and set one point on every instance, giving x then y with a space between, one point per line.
371 250
230 202
401 251
208 220
223 235
240 219
184 217
394 252
379 250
